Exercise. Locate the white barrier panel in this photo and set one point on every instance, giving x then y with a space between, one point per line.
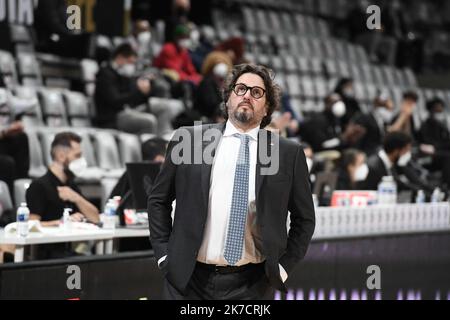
381 220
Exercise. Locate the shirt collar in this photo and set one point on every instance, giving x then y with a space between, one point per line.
384 157
231 130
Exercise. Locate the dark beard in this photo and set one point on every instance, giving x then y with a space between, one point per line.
242 117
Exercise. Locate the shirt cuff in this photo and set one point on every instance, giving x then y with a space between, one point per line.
283 273
161 260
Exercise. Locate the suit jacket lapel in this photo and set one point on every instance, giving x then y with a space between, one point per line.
259 177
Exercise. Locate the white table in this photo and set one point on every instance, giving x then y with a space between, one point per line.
125 233
55 235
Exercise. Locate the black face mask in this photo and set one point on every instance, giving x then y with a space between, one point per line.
181 12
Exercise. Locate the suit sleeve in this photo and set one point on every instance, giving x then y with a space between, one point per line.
302 212
160 205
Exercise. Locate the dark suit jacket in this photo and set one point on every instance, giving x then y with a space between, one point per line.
288 189
377 170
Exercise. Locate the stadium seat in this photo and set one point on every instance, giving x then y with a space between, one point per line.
89 70
129 148
293 85
107 153
291 65
37 164
29 70
20 190
77 109
5 198
33 118
8 68
53 107
21 38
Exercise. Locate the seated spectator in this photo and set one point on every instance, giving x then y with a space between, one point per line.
346 90
396 152
403 121
204 47
208 97
48 196
140 39
375 124
324 130
122 100
434 136
118 95
175 58
14 154
353 170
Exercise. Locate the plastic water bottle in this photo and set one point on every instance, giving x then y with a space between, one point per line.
387 191
23 214
110 215
66 222
420 197
436 196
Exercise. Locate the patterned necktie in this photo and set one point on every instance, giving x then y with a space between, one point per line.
239 205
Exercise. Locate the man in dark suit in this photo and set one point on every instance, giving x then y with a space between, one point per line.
396 153
228 239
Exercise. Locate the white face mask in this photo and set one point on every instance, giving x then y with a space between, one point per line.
385 114
440 117
309 163
361 172
404 159
144 37
77 166
220 70
127 70
184 43
338 109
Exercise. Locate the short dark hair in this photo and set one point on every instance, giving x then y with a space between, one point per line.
272 89
410 95
431 104
64 139
349 157
395 141
124 50
152 148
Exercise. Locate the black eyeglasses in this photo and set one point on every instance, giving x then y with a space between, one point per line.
241 89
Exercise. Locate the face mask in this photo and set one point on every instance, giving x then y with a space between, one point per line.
440 117
338 109
127 70
309 163
362 172
220 70
184 43
77 166
404 159
144 37
350 93
385 114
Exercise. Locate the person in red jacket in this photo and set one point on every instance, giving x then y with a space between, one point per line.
175 57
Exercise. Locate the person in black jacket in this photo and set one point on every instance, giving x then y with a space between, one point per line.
118 95
375 124
325 131
434 136
396 152
346 90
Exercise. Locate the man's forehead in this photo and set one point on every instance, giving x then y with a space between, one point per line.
251 79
